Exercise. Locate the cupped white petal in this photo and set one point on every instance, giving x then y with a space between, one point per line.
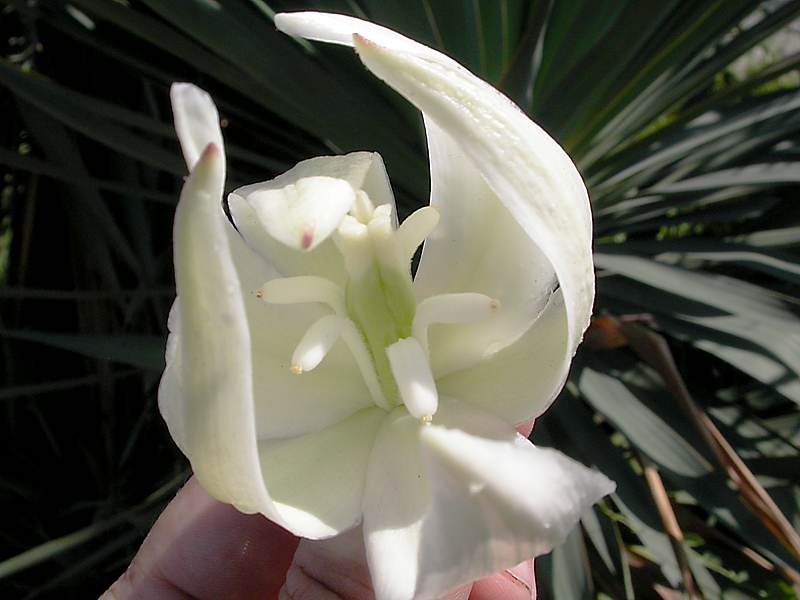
522 380
301 215
473 497
364 171
479 136
317 480
477 247
196 121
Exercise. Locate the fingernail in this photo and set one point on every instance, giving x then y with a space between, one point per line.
523 576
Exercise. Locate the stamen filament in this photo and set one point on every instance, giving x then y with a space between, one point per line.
306 288
352 337
388 251
417 226
318 341
363 207
464 307
352 240
414 378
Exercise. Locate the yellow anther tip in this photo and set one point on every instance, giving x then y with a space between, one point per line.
296 369
494 305
426 419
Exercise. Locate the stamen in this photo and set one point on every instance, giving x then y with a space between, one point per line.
387 248
414 378
352 240
417 226
316 343
305 288
363 207
320 338
355 341
451 308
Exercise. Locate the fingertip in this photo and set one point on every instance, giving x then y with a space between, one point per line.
517 583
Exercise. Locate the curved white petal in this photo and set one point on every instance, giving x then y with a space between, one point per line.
526 169
362 170
339 29
216 400
477 247
227 387
317 481
227 381
522 380
196 122
473 497
170 388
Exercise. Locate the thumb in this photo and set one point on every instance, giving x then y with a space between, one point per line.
336 569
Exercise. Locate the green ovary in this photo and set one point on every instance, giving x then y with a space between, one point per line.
382 305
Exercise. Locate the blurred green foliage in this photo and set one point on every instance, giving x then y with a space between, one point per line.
683 118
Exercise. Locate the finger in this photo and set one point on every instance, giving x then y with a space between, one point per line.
333 569
202 549
517 583
526 427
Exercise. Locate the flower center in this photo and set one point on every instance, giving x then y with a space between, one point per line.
376 314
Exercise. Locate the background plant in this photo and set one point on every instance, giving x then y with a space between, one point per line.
683 117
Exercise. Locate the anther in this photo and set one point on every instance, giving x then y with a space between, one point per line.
426 419
296 369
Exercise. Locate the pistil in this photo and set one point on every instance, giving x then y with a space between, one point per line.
376 314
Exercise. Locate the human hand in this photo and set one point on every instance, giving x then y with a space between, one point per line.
206 550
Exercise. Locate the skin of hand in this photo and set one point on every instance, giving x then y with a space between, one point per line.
202 549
